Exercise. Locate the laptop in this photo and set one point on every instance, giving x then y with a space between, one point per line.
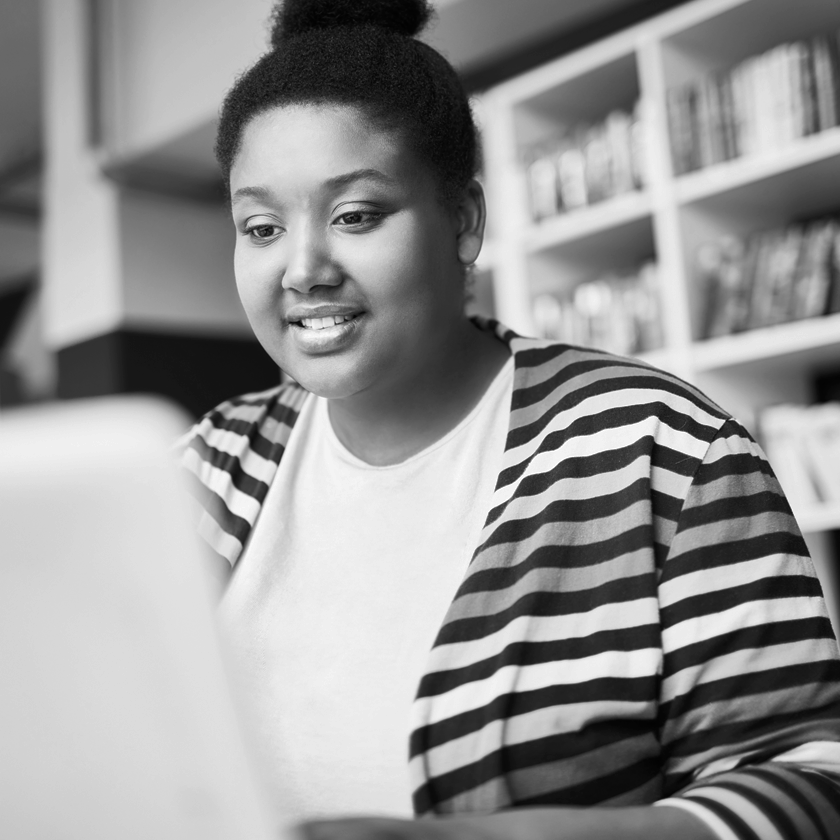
117 719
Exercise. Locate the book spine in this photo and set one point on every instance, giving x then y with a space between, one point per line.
825 82
703 125
812 287
783 275
728 117
708 279
692 127
543 187
677 129
761 293
638 146
796 90
738 84
571 169
808 88
620 142
834 297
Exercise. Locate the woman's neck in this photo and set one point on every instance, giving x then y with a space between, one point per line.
389 425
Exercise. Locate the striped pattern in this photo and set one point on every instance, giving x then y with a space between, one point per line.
640 620
231 456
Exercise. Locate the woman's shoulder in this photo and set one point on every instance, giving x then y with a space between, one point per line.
259 421
584 392
557 371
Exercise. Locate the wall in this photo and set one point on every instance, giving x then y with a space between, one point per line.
177 265
172 61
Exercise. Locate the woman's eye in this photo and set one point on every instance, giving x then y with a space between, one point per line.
262 231
358 218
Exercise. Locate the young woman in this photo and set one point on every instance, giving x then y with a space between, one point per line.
580 570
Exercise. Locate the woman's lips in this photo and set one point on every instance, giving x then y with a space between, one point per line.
318 335
324 323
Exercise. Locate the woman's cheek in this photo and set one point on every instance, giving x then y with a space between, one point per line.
254 291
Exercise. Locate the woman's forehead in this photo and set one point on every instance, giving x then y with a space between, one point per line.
320 143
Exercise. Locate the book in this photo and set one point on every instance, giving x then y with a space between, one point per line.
759 105
638 146
826 81
821 442
620 141
571 176
726 281
782 268
761 300
728 116
808 89
679 136
617 313
812 284
834 296
587 164
543 187
596 155
782 436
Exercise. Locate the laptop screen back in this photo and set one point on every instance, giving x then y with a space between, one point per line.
116 719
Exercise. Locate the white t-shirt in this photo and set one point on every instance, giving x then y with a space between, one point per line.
338 597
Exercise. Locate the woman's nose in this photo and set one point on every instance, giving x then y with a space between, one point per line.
309 262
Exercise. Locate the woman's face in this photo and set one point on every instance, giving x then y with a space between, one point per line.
346 259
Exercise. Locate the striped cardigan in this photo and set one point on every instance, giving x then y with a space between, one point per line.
640 621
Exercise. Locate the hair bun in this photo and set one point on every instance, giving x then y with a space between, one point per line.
293 17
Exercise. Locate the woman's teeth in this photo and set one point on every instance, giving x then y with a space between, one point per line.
323 323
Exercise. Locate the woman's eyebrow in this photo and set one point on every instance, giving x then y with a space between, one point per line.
260 193
349 178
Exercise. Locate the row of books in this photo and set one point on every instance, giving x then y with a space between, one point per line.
762 104
586 165
770 277
802 444
620 314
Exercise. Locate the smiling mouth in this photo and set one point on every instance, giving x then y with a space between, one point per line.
325 322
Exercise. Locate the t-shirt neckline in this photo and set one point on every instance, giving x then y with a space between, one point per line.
322 418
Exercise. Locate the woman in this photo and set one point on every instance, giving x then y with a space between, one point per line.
619 606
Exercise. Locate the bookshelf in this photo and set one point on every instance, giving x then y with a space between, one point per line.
768 183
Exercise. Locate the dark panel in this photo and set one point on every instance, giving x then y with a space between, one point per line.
91 368
197 372
11 392
827 389
12 301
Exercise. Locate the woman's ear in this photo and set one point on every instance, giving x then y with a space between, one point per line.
472 215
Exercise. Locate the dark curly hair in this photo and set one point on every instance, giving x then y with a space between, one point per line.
360 53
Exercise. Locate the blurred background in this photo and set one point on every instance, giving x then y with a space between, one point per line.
663 181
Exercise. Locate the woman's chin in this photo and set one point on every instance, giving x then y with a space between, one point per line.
335 385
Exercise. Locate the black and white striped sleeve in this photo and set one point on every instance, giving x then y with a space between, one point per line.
750 692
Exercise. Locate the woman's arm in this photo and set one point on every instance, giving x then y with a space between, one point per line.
749 708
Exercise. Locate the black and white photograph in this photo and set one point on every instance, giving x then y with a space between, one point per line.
419 419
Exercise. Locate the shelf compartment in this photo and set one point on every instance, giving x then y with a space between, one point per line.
747 29
582 100
601 218
570 260
809 344
801 179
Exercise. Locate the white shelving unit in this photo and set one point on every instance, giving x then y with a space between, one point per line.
672 216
